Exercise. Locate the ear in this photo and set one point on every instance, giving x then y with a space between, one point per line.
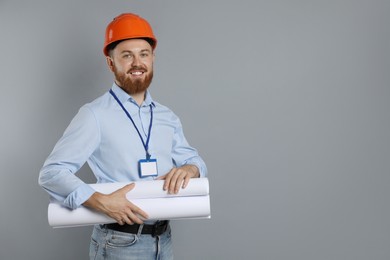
110 63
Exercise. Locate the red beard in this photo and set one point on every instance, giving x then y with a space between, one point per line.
133 86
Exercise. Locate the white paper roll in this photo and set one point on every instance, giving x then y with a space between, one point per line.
154 189
191 202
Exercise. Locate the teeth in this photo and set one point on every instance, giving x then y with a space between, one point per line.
137 73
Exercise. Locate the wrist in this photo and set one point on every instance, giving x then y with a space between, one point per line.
194 170
95 201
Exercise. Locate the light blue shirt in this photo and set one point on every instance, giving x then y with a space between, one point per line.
102 135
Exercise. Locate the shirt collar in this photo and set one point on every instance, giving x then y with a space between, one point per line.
124 97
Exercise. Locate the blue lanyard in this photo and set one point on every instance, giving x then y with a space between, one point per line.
145 144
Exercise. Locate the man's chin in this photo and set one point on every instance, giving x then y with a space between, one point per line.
134 86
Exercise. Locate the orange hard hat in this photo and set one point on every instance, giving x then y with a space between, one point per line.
128 26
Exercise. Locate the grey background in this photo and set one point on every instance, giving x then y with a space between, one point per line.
287 102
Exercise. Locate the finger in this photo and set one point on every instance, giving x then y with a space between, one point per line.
161 177
136 210
136 215
125 189
186 181
172 184
168 178
179 182
134 218
128 188
128 220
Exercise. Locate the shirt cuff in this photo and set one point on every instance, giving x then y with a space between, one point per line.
201 166
79 196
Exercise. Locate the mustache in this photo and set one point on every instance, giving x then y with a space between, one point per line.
138 68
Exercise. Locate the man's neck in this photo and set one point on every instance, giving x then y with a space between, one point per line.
139 97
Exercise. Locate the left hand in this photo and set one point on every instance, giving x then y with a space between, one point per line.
179 177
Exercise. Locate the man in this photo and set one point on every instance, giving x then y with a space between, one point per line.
124 136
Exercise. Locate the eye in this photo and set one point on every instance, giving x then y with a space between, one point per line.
126 56
144 55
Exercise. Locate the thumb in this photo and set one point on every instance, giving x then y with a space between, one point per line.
161 177
127 188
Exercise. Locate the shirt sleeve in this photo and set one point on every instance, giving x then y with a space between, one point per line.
183 153
78 142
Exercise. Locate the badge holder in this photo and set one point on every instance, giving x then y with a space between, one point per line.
147 168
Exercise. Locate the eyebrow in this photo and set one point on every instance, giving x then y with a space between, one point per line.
143 50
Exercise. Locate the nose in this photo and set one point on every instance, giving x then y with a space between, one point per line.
136 61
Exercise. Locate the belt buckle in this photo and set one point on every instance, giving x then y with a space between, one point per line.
157 228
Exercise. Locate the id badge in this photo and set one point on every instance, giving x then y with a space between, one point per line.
147 168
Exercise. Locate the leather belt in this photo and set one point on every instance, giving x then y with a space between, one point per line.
155 230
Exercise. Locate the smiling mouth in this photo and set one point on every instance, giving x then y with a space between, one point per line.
137 73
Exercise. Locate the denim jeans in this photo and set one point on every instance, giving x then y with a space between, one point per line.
115 245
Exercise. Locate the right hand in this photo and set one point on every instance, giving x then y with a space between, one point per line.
117 206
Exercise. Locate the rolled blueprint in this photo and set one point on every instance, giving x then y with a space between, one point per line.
191 202
154 189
